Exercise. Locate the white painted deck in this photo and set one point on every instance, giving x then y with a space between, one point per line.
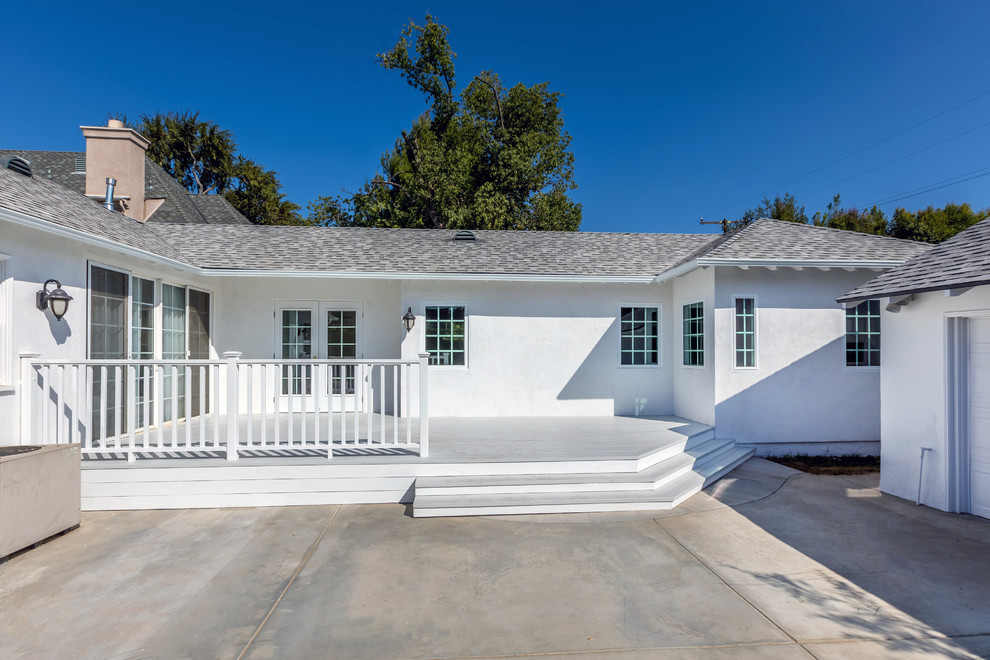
571 454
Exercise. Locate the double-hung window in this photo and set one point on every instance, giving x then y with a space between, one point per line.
745 344
446 334
863 334
693 315
639 328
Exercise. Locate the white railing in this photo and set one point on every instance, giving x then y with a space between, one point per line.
202 407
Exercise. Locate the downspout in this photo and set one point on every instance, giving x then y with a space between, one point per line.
921 472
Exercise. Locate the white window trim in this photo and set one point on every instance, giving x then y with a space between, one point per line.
467 334
6 324
756 331
90 264
853 368
704 335
618 316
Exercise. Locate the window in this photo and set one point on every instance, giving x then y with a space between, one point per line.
446 335
694 334
297 344
108 292
745 333
863 334
639 329
143 343
342 345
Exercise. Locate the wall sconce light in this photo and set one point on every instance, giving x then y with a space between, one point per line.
58 299
409 320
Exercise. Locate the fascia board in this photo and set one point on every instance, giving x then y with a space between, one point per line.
459 277
894 293
800 263
24 220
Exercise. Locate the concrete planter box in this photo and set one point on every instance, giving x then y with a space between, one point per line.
39 494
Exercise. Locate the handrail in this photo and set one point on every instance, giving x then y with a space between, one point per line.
114 406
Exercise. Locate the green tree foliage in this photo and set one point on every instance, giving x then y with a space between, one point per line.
931 225
779 208
487 158
203 158
873 221
934 225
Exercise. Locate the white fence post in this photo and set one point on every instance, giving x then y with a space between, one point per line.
27 394
232 417
424 412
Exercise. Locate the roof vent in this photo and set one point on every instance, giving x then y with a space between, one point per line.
464 235
19 165
80 165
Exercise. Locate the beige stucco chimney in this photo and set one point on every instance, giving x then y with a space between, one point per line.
116 151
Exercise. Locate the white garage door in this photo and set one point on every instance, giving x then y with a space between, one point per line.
979 416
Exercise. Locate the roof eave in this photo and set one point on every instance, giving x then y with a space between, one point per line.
894 293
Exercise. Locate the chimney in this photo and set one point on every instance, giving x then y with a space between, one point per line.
117 152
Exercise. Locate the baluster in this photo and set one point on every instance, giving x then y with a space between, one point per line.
329 373
215 386
249 377
291 402
87 410
103 406
277 389
316 403
381 404
396 375
187 370
264 404
370 401
358 386
160 405
343 406
204 402
307 375
407 408
147 375
132 409
74 413
175 405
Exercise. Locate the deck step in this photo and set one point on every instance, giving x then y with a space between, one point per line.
662 486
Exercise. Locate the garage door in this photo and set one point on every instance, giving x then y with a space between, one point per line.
979 416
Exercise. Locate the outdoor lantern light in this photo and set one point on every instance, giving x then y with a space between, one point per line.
58 299
408 320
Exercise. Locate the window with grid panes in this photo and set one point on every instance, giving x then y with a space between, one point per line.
342 345
863 334
446 335
694 334
745 332
143 344
639 329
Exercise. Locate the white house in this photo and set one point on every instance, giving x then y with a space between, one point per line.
657 360
935 376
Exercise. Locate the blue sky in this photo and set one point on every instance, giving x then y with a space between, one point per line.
677 110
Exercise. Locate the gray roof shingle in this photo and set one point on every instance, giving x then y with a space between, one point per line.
776 240
362 250
960 262
179 205
46 200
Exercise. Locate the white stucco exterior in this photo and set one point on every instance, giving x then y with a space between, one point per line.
915 396
800 396
534 348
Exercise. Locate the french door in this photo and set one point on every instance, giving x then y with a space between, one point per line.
320 331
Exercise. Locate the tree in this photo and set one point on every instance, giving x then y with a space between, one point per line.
934 225
203 158
779 208
256 193
488 158
873 221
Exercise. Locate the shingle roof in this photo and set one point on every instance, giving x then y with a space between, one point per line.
776 240
179 205
46 200
962 261
362 250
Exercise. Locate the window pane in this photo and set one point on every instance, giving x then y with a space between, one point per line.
863 334
446 335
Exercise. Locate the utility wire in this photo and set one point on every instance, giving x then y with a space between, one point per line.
938 185
899 158
856 152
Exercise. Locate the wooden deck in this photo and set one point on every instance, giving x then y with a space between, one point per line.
599 449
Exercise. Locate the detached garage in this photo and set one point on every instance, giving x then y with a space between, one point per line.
935 374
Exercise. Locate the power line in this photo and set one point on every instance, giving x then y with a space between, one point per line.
899 158
856 152
938 185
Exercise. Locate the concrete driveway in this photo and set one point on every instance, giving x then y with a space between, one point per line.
767 563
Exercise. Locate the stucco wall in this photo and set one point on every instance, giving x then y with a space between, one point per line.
693 386
543 349
36 257
801 395
913 393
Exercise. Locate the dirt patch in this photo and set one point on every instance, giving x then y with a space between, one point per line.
848 464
